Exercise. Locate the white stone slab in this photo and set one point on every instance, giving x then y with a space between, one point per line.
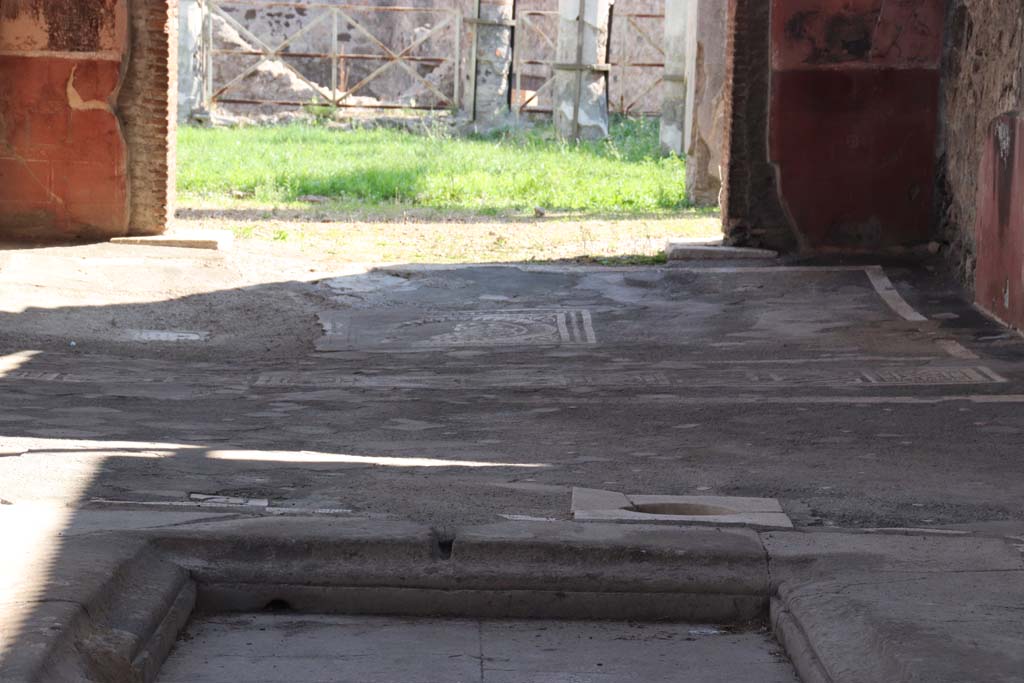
217 240
165 335
597 499
595 505
686 250
736 504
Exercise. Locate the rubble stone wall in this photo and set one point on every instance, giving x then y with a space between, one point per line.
983 77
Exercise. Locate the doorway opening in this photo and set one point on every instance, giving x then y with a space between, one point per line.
424 133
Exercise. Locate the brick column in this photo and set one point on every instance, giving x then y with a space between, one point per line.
752 214
148 110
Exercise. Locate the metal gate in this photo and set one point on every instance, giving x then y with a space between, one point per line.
533 56
636 61
322 54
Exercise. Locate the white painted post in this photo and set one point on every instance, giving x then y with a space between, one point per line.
692 120
581 70
693 10
705 111
191 90
678 76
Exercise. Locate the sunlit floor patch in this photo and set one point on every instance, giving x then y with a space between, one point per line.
272 648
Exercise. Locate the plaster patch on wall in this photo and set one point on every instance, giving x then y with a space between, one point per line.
1003 135
983 73
76 102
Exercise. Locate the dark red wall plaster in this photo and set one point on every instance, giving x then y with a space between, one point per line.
999 277
62 169
63 158
853 119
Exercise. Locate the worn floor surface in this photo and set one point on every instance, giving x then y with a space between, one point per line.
139 376
187 384
281 648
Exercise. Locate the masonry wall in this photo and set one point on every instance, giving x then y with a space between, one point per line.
63 157
847 94
983 78
999 227
85 137
752 214
147 107
854 118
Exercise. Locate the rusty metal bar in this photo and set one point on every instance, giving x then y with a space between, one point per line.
395 58
334 59
472 62
536 94
569 66
580 35
626 108
341 105
268 54
643 34
326 55
403 59
325 5
538 31
630 26
208 56
528 23
634 33
490 22
516 61
457 71
399 57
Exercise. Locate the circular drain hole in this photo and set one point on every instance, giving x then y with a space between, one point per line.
277 605
681 509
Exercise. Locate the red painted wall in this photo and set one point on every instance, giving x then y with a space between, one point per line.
63 158
999 275
854 118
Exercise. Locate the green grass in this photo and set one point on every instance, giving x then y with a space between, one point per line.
499 174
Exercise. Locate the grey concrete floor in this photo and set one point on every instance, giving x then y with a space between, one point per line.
336 649
450 395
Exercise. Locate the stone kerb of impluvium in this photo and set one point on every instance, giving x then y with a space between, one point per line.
581 70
